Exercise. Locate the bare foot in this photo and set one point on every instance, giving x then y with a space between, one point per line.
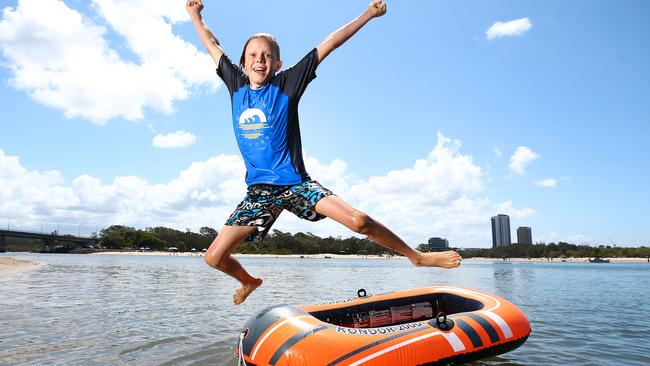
449 259
242 293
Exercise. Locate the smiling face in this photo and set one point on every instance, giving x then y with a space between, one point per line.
261 60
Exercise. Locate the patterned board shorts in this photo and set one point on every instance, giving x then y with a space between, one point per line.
264 203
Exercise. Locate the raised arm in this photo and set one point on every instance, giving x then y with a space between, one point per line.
208 39
376 8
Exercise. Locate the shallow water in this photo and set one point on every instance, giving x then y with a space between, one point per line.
172 310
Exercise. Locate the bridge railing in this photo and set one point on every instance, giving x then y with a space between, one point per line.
36 233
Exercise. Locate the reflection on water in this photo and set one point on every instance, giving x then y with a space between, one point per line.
512 278
106 310
504 278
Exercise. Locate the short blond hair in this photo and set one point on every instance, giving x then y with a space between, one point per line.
268 37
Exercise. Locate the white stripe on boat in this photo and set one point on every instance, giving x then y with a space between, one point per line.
452 338
292 320
455 342
500 322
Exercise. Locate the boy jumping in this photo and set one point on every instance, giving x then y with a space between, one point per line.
265 122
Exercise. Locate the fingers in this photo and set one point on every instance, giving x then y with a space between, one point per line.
191 4
381 4
378 7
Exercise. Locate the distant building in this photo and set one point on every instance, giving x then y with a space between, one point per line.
438 244
524 235
500 231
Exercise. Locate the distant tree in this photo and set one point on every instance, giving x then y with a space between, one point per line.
145 239
208 232
278 242
117 237
423 248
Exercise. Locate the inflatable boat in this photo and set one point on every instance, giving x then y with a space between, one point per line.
437 325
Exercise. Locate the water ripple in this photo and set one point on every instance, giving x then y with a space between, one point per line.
108 310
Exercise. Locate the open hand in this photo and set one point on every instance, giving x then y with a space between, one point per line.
377 8
194 6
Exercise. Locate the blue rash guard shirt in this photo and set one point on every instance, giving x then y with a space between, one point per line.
265 121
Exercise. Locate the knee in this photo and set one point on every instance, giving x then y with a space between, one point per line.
360 222
213 260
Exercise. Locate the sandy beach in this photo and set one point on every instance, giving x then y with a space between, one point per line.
567 260
304 256
150 253
373 257
319 256
11 265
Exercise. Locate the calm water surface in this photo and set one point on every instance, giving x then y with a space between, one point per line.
170 310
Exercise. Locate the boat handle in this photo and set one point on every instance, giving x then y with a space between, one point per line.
442 322
361 293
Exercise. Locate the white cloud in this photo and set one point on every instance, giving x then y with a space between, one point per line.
205 192
511 28
439 195
508 209
434 197
64 59
444 176
521 158
174 140
497 152
548 182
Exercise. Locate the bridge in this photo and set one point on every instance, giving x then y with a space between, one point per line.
48 239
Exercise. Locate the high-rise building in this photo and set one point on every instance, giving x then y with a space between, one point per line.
438 244
524 235
500 231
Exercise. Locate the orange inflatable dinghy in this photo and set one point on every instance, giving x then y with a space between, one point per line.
437 325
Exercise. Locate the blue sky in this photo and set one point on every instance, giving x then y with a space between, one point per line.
426 119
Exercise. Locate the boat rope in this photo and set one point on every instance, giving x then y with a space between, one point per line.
240 353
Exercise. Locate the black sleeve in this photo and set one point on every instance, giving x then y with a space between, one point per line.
231 74
297 77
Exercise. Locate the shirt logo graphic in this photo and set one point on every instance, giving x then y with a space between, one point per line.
252 121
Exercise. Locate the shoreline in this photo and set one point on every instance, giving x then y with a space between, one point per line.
564 260
239 255
12 265
373 257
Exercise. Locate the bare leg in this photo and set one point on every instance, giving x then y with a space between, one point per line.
338 210
219 256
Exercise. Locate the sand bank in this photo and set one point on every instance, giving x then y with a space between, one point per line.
318 256
10 265
198 254
355 256
567 260
151 253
